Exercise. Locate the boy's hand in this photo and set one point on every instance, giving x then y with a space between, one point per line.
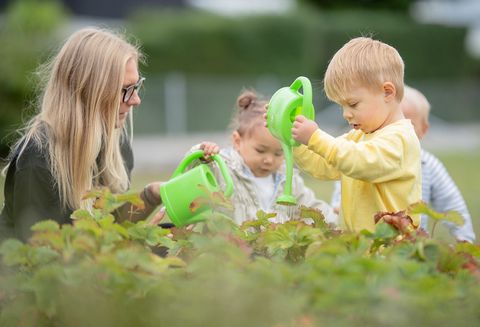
303 129
209 149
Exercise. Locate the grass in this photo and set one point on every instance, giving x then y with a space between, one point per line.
462 166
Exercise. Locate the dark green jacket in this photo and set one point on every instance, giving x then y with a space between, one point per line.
31 193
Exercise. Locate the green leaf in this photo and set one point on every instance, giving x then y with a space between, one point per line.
315 214
53 239
14 252
384 231
425 209
84 243
261 221
42 255
106 222
132 197
454 217
450 261
427 251
469 248
89 226
121 230
81 214
45 284
262 215
46 226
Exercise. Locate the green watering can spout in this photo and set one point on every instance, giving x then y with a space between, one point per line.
186 186
285 105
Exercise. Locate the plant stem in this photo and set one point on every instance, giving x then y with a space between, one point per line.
433 227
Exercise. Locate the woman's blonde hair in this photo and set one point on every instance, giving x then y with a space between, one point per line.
363 62
78 110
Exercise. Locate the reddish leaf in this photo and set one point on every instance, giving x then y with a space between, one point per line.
400 220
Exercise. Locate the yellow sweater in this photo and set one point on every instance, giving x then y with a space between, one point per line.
379 171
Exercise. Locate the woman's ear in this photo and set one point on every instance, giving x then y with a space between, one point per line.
236 139
389 91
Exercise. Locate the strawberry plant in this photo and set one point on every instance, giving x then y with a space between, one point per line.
98 271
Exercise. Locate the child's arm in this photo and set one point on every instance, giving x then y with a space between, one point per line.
306 159
314 164
378 160
446 196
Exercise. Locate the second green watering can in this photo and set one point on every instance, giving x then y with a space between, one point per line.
186 186
284 106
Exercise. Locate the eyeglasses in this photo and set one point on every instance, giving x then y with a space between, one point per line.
128 91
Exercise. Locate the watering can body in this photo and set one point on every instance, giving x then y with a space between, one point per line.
186 186
284 106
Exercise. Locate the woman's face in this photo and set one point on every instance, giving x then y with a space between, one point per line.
131 77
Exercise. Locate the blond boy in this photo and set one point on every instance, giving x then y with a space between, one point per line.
378 161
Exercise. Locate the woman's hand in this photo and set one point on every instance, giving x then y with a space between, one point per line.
303 129
157 217
209 149
151 194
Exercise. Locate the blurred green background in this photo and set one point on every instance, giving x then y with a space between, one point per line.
198 61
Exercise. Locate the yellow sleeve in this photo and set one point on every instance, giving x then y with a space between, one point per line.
314 164
376 160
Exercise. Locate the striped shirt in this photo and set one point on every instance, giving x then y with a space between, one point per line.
441 192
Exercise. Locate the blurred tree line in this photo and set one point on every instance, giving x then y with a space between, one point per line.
27 33
298 43
393 5
193 42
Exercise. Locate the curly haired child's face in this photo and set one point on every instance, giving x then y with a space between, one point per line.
261 152
367 110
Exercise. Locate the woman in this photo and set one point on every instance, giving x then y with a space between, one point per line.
78 139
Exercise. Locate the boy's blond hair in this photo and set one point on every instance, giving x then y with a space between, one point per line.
363 62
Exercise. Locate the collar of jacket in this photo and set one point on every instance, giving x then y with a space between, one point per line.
236 163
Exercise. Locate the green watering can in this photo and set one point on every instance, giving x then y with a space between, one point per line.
184 187
284 106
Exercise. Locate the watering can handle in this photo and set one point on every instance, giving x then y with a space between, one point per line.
304 83
221 165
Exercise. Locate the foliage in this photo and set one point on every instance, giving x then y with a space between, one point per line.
26 36
393 5
301 273
300 42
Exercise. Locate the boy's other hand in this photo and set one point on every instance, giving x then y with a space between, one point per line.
303 129
209 149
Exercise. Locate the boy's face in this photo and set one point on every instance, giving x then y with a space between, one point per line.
261 152
367 110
